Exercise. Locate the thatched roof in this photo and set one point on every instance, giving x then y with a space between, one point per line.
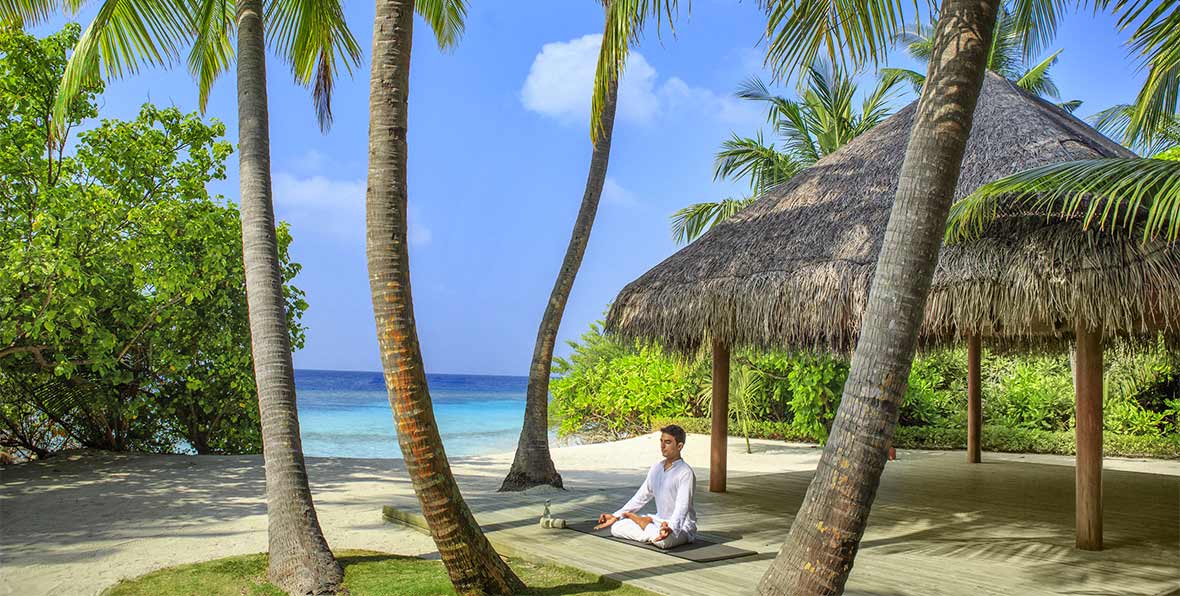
793 270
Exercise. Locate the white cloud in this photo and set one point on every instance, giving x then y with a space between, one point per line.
613 192
561 80
727 108
333 208
311 161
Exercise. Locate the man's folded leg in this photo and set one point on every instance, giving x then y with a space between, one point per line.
625 528
674 539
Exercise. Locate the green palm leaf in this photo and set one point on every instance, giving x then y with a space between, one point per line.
753 158
1036 80
124 35
313 37
625 20
213 51
1117 194
22 13
446 18
1156 40
690 222
1116 122
913 77
856 31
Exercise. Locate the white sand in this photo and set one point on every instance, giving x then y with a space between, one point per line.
77 524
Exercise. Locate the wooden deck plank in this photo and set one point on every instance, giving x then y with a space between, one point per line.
939 526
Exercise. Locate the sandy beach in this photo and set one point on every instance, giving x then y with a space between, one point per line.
77 524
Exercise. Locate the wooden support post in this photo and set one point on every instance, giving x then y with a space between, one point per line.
974 401
1088 393
720 432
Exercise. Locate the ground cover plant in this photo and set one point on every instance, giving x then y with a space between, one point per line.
366 573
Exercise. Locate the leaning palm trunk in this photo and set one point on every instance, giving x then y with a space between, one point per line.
472 563
300 561
825 535
533 465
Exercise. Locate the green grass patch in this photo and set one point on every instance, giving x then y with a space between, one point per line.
366 573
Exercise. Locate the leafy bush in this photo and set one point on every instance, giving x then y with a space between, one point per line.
937 392
617 396
994 438
123 316
1028 400
1033 392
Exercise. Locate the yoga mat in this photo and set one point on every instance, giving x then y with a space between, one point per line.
701 551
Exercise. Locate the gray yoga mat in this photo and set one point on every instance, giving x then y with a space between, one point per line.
701 551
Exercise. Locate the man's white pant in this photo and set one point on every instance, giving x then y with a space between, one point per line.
625 528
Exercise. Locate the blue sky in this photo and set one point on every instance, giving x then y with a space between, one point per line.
499 149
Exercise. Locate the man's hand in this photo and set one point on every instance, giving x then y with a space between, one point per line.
605 520
665 532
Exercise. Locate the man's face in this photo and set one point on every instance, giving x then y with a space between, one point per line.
669 448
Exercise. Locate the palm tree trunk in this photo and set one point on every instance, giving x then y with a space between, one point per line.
532 465
300 560
819 552
472 563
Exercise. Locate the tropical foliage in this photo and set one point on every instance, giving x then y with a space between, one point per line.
1005 58
822 120
610 390
122 310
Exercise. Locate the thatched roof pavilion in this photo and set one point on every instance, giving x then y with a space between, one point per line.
793 270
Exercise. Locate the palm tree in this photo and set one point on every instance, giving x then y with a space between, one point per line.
1005 58
532 465
472 563
825 535
312 37
820 122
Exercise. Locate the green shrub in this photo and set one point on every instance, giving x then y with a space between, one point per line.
937 392
1033 392
994 438
617 396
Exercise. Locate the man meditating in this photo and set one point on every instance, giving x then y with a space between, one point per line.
670 482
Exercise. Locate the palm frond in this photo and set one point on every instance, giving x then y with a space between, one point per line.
625 20
124 35
1116 121
690 222
913 77
918 40
25 13
313 37
1120 194
447 18
1070 106
875 107
755 160
755 89
856 31
212 52
796 124
1036 80
1035 22
1156 40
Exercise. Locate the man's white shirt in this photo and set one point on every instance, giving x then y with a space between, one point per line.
672 490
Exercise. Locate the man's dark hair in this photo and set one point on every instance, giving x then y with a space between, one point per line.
676 432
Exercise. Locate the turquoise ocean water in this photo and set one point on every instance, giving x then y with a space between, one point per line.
346 414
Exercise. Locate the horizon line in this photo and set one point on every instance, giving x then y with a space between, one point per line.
378 372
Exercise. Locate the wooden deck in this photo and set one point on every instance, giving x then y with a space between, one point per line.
939 526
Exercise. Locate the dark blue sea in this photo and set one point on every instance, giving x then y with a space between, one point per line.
346 414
